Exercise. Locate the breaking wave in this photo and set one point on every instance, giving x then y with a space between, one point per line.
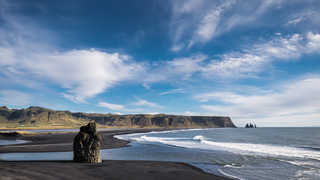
201 142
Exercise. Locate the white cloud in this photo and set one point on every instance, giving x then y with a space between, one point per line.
200 21
293 99
187 65
114 107
209 23
189 113
313 42
198 18
146 86
7 57
306 16
28 55
177 68
172 91
119 108
177 47
296 120
205 97
234 65
188 6
151 113
14 98
247 62
142 102
253 59
83 73
295 21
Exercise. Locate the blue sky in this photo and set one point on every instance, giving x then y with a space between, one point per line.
250 60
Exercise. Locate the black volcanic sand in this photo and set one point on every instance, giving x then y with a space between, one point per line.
59 142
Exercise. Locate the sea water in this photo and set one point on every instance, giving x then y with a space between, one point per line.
261 153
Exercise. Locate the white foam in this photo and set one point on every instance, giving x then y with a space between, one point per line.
163 140
201 142
179 142
179 130
228 175
127 136
308 174
198 138
232 166
265 149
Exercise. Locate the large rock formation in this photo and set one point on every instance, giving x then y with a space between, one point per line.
42 117
86 144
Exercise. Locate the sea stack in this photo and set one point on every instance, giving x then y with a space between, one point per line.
86 144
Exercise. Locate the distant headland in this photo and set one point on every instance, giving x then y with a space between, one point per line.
38 117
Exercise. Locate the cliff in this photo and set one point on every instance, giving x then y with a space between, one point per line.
47 118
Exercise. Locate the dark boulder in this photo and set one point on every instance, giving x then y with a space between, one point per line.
86 144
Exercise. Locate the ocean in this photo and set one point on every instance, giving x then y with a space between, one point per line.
251 154
261 153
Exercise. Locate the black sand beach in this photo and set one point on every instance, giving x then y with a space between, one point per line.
59 142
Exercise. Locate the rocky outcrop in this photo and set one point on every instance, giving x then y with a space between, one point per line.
42 117
86 144
250 125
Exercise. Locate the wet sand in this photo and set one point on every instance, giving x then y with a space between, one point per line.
60 142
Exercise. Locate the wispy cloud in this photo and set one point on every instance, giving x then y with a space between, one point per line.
305 16
209 23
252 60
186 66
172 91
136 107
247 62
119 108
29 54
313 42
115 107
146 86
177 47
175 69
189 113
83 73
293 98
15 98
200 21
143 102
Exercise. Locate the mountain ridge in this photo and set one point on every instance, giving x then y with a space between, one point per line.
35 116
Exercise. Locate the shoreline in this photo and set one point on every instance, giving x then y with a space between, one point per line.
62 142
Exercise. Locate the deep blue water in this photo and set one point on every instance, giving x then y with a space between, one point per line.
262 153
